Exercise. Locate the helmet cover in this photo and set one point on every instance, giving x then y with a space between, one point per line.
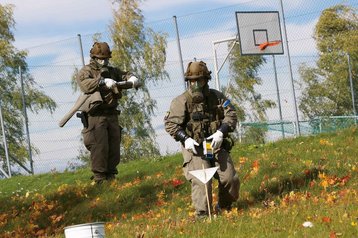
197 70
100 50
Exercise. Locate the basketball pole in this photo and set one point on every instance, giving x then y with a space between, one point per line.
216 68
298 131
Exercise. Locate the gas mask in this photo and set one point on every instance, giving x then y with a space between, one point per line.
198 89
102 62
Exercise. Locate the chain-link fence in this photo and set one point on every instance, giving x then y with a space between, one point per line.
53 65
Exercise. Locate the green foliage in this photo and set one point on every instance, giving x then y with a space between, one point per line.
327 88
254 135
283 184
249 103
140 50
11 61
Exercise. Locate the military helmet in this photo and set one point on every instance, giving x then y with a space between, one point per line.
197 70
100 50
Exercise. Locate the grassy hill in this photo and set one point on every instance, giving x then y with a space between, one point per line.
283 185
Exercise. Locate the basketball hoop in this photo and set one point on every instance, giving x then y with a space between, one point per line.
263 46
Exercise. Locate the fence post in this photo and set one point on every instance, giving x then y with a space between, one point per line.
179 50
278 96
320 125
5 144
81 49
291 75
26 121
351 84
240 132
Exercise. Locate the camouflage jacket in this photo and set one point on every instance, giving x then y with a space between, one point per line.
88 80
200 120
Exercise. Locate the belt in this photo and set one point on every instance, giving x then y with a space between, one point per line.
105 112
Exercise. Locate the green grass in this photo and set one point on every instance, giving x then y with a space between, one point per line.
283 184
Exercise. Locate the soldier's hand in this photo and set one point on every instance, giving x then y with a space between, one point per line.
217 139
135 81
190 144
110 83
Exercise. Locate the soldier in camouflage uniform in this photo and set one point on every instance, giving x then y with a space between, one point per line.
202 114
102 133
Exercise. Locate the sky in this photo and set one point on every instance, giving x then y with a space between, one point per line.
42 21
45 22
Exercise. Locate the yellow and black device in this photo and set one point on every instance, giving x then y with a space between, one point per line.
208 150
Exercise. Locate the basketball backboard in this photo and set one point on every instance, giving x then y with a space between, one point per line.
259 33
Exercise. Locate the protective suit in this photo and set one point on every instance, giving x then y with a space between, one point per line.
102 132
197 115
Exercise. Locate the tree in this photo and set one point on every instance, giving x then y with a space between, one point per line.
140 50
249 103
11 60
326 87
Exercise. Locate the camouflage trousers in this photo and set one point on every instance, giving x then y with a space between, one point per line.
229 183
102 138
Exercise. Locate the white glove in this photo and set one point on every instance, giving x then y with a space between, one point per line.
190 144
135 81
217 139
110 83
